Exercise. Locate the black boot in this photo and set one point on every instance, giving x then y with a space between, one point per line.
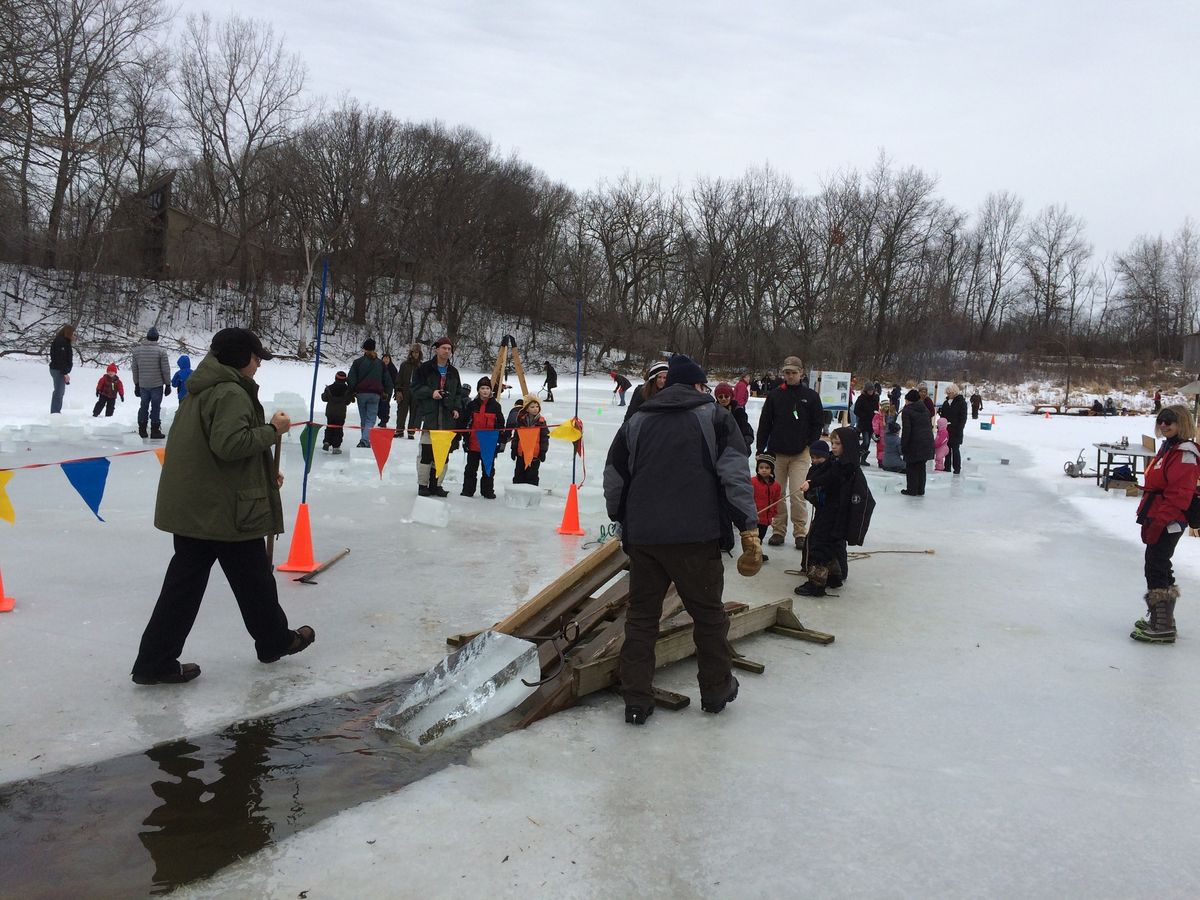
142 430
156 434
637 715
715 706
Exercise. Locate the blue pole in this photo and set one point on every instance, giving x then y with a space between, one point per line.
578 357
312 397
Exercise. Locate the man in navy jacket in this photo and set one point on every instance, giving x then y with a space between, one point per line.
791 420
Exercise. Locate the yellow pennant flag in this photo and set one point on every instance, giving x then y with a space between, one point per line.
161 453
566 432
441 441
6 507
528 440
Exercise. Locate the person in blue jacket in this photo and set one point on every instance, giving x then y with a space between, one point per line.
179 379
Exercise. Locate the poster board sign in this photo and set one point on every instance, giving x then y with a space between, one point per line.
834 389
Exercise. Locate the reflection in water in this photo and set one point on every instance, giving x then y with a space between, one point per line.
201 824
200 804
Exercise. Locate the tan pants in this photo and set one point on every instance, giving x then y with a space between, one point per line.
790 472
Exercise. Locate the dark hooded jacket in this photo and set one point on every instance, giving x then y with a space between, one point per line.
956 419
916 436
791 419
676 472
843 498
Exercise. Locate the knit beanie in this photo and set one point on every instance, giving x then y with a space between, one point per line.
819 449
152 334
482 382
765 458
724 389
112 369
369 344
684 370
340 376
655 370
912 396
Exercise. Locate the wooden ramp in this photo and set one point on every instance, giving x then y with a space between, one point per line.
578 623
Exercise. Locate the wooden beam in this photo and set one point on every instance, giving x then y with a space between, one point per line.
516 621
599 674
748 665
671 700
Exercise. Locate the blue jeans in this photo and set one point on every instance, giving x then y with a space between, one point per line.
368 415
60 388
151 404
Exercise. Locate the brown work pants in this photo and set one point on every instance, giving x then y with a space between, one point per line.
699 576
790 471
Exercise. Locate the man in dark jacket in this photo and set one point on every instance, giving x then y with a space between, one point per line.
369 381
218 494
62 358
551 381
916 442
437 393
956 423
864 414
791 420
406 410
674 472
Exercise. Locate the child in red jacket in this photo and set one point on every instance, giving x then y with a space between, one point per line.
108 388
767 493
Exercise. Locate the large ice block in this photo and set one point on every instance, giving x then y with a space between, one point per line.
522 496
475 684
430 511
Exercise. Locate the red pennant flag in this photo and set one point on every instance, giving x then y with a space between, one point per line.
381 445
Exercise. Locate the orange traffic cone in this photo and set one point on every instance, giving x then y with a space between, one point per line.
6 603
570 519
1047 414
300 554
993 418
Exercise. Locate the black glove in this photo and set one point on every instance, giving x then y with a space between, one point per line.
137 392
166 390
541 457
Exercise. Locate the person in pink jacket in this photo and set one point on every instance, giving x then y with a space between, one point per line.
879 426
941 445
741 390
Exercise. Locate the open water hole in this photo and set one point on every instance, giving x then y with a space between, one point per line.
145 823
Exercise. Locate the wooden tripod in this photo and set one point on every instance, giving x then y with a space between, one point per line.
508 347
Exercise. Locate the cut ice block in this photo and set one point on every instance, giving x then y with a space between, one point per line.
429 511
477 683
522 496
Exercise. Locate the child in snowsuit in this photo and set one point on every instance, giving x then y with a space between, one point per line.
108 388
828 488
482 414
893 458
879 426
530 416
941 445
179 379
767 493
337 397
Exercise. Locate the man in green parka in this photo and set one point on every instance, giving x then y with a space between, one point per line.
436 391
218 495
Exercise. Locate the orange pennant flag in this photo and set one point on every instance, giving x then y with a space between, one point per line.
161 453
6 507
380 440
527 442
441 441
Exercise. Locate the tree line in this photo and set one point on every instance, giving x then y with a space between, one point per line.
870 269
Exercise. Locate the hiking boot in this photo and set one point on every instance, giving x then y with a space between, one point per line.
186 672
637 715
715 706
800 542
325 447
363 445
487 495
422 491
438 491
142 431
775 541
399 433
156 434
465 493
1160 628
808 589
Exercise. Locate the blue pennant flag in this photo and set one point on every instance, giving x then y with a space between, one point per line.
487 449
88 477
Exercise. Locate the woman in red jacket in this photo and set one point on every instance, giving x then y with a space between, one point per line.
1170 485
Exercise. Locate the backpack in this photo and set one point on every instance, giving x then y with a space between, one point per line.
862 505
1193 512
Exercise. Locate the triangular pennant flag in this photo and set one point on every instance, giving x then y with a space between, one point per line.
487 449
527 443
88 477
441 441
566 432
161 453
6 507
381 445
308 441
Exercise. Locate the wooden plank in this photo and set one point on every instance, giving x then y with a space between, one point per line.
566 606
671 700
457 640
815 637
516 620
748 665
599 674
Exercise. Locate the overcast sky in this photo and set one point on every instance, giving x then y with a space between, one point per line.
1090 104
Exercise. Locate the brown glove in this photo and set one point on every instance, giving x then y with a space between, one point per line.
750 561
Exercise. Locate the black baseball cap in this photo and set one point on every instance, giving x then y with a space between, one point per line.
234 346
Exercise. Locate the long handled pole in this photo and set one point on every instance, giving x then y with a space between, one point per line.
578 358
275 475
312 397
